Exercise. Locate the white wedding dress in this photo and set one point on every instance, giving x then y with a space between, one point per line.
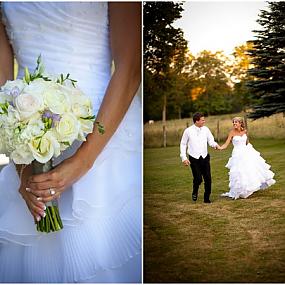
101 213
248 170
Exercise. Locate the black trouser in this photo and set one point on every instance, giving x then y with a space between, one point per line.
201 168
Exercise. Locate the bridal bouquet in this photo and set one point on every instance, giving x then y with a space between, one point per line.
39 118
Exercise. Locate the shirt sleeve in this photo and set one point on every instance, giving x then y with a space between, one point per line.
183 145
210 139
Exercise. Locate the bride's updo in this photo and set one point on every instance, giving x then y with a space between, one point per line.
242 124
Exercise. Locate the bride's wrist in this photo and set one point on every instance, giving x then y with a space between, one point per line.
83 159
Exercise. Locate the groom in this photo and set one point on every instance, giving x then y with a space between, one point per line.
195 139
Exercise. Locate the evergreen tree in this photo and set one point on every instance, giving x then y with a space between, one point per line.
268 58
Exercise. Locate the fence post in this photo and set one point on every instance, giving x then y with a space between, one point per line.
164 121
164 135
245 122
218 130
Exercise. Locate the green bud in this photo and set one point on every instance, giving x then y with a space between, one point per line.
27 75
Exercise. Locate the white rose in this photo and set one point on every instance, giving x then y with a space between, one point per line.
22 154
45 147
67 128
80 103
28 104
10 85
81 106
57 100
37 87
86 126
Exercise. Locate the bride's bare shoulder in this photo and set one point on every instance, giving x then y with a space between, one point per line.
231 133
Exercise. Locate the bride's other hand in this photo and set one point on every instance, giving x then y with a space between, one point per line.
35 206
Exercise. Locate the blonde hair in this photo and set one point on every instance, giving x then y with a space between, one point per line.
240 119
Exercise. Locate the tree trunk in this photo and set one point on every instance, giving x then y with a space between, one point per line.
164 120
245 122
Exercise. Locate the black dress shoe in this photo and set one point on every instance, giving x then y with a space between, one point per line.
207 201
194 197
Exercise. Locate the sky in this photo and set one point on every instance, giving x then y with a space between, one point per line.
216 25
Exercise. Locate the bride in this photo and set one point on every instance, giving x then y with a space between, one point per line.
99 181
248 170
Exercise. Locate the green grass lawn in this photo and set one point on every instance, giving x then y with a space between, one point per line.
226 241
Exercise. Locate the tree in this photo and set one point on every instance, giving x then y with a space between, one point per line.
211 84
164 53
240 76
268 58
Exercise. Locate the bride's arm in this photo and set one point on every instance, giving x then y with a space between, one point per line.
6 56
125 39
225 145
125 36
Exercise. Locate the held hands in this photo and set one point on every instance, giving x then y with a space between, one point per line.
186 162
219 147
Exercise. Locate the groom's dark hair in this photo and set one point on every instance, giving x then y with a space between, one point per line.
197 116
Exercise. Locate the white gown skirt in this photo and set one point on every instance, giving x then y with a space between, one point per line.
248 172
101 214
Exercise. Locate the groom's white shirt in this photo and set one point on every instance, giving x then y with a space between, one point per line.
195 140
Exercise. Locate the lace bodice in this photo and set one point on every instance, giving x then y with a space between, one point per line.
71 37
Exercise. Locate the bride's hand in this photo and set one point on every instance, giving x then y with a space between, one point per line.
36 207
50 185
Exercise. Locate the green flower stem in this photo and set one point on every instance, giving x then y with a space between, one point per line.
58 217
50 218
47 225
57 227
52 221
42 224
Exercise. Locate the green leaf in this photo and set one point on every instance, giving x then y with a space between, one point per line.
39 59
88 118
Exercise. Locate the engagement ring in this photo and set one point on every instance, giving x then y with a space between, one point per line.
52 192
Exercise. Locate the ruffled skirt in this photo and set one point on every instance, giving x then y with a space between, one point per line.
248 172
101 214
